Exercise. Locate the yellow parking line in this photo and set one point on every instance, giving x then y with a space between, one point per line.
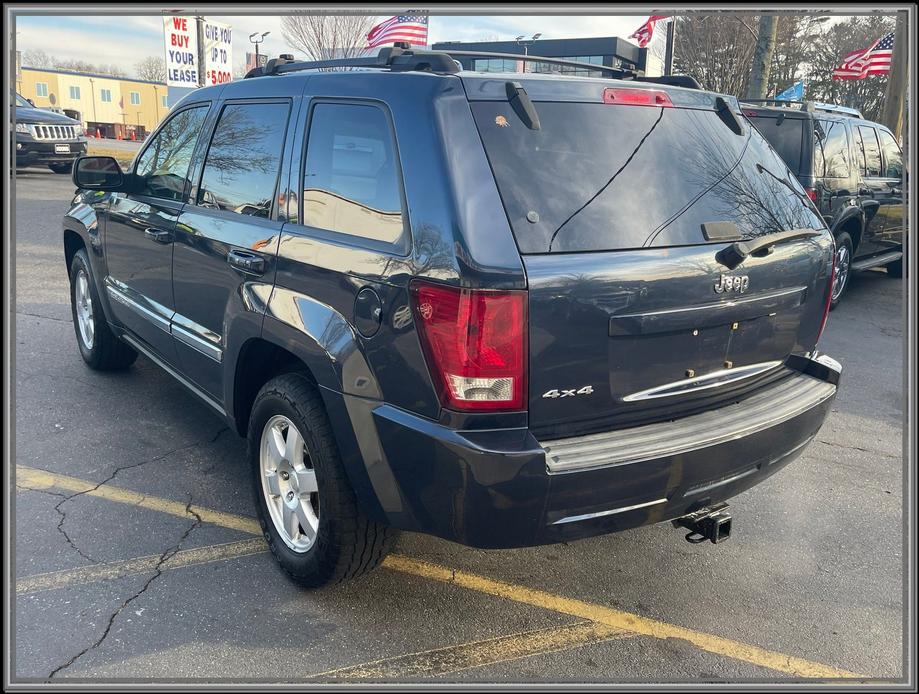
464 656
119 569
41 479
607 616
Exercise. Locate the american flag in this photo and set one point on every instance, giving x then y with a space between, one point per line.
646 30
404 27
874 60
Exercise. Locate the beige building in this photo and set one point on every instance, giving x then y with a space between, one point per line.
114 106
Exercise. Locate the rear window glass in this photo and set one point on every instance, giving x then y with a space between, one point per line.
602 177
786 135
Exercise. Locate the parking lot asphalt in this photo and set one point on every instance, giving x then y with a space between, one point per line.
136 553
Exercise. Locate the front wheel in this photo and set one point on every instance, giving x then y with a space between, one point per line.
99 347
306 506
843 263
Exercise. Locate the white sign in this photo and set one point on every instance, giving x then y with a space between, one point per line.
181 38
218 53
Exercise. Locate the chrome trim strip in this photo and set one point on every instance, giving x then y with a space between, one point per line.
136 344
876 261
762 410
712 380
150 313
692 491
720 305
588 516
196 342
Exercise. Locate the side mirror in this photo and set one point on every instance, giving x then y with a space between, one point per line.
98 173
31 102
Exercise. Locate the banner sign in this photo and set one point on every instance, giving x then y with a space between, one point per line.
794 93
181 39
251 62
218 53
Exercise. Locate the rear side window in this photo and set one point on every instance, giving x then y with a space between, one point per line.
893 157
244 159
786 135
605 177
832 150
351 182
163 167
871 151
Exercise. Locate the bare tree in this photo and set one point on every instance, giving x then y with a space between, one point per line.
716 49
151 68
322 35
37 58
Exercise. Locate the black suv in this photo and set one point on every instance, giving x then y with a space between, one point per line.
501 309
853 171
45 137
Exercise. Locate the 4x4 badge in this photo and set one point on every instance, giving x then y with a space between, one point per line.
732 284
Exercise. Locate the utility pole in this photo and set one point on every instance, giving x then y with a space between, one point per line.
762 57
896 79
668 51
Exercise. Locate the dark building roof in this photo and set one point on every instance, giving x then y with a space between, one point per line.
616 52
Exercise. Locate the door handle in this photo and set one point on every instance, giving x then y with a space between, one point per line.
158 235
247 262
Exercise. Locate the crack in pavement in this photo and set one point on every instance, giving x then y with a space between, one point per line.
157 572
38 315
58 507
859 448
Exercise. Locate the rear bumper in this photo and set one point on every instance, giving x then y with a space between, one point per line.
505 489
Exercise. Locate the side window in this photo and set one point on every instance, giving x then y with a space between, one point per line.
872 151
893 157
833 147
351 177
164 164
244 158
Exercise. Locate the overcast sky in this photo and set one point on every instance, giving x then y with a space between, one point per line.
125 40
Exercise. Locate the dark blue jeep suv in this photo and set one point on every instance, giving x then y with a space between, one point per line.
504 309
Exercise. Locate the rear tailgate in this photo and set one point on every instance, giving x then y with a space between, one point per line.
632 317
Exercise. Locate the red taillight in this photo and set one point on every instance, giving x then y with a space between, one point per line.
811 193
637 97
749 113
475 344
829 295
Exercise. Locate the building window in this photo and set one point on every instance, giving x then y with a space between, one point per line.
135 98
496 65
41 89
74 92
105 95
165 101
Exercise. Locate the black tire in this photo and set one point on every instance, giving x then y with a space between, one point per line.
895 269
347 544
105 352
62 168
843 243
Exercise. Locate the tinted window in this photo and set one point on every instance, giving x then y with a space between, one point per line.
786 135
871 150
242 163
831 150
163 167
351 177
601 177
893 158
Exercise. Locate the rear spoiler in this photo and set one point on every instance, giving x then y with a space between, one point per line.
685 81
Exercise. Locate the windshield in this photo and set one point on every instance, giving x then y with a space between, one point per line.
599 177
20 101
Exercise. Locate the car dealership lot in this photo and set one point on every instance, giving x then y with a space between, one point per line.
136 555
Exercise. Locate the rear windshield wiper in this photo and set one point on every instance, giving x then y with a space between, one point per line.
737 252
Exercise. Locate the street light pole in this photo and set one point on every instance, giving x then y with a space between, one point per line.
526 44
256 38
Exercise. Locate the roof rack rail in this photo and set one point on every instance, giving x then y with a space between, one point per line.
401 57
808 106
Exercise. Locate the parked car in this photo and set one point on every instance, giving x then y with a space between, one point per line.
853 171
45 137
505 310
